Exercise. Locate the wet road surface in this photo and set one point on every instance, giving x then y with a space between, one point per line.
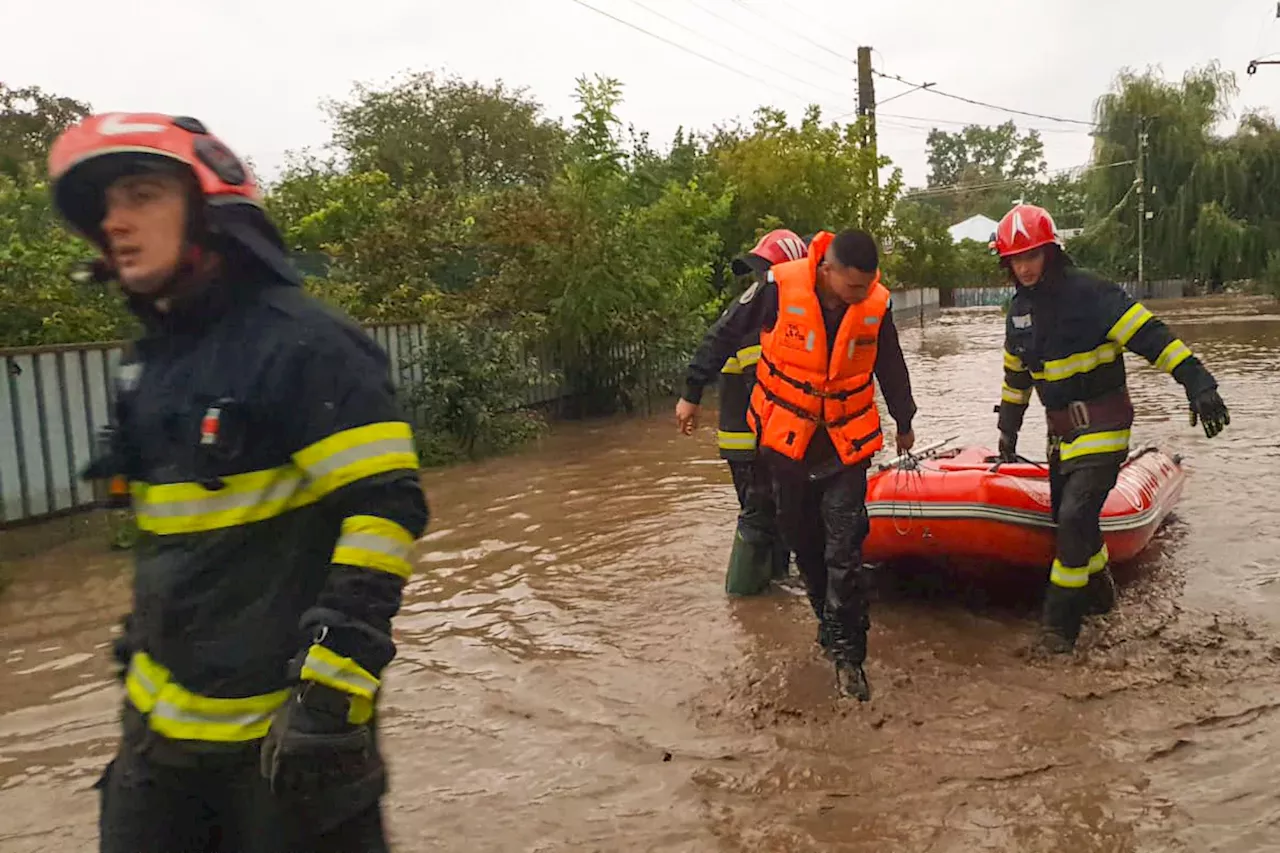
571 676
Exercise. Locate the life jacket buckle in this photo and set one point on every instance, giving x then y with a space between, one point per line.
1078 414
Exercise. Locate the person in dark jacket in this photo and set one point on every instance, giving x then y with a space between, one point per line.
275 484
827 335
758 553
1065 336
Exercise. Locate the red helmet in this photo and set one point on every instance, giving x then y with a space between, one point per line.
1024 228
88 156
776 247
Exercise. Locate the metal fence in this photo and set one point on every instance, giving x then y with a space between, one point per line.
54 399
973 297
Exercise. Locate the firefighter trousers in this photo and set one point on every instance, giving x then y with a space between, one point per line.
1077 494
757 511
824 522
213 806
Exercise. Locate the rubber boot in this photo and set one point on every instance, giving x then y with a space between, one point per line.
750 567
1060 622
848 653
781 561
851 678
1101 593
852 681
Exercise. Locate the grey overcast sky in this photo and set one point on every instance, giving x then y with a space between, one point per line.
256 72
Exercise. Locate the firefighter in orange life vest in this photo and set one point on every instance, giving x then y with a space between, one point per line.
827 335
1065 336
758 554
277 495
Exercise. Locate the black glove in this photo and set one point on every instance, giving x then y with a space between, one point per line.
1008 448
1208 408
320 762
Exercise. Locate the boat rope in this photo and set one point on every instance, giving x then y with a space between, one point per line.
911 476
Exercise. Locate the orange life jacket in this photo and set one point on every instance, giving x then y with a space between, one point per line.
799 387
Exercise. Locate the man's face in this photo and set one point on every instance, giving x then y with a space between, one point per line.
1028 267
848 283
145 226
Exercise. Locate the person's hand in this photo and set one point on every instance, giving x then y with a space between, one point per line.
1210 411
905 440
686 416
1008 448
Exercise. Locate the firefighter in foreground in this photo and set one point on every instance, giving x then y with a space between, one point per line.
826 335
275 484
1065 335
758 554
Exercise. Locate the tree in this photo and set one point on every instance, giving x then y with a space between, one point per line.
30 119
1213 216
447 132
982 167
806 177
924 254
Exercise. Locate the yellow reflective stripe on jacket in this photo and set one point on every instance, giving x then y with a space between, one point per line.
736 440
1077 577
1016 396
1059 369
744 358
354 454
177 713
1012 362
1173 355
170 508
1129 324
1110 441
369 542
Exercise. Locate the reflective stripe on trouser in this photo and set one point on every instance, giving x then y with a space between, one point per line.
1078 497
179 714
1076 577
316 471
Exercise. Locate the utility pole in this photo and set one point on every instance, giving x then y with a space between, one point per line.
1140 185
867 109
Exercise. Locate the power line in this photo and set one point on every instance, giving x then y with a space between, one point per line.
974 123
701 35
984 103
807 37
756 34
950 189
689 50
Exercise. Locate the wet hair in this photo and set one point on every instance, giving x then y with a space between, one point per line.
857 249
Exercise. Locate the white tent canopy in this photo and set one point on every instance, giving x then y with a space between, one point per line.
977 227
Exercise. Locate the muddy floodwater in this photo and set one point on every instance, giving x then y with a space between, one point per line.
572 677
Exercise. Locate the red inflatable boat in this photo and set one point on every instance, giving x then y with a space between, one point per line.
960 505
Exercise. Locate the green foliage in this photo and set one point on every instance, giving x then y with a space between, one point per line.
468 387
1214 216
449 132
30 119
39 303
924 254
808 177
981 169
